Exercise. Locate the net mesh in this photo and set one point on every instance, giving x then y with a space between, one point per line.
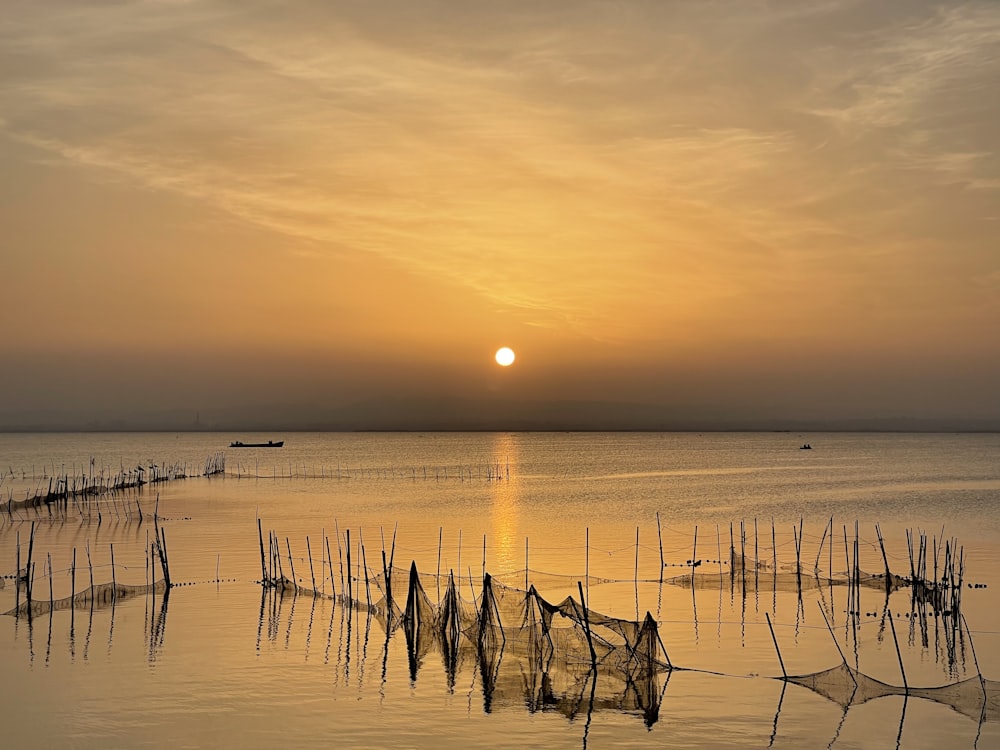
548 656
98 596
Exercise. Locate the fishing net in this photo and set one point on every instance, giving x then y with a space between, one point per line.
975 697
845 686
97 596
751 575
560 655
525 649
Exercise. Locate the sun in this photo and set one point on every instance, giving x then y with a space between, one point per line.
505 356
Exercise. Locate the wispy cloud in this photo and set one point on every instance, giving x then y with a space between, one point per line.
560 162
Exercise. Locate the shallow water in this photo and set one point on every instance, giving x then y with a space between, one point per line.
217 668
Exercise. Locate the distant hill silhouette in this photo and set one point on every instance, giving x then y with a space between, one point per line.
404 414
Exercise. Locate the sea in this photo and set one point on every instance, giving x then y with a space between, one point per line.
760 563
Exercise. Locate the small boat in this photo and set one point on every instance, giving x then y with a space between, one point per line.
805 447
268 444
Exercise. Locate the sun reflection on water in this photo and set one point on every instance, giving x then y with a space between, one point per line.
505 506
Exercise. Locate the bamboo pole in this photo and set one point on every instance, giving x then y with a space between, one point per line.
781 661
819 552
694 551
72 591
743 555
718 544
31 587
263 567
659 536
885 559
17 573
440 544
934 543
333 588
586 624
636 577
909 548
51 597
166 557
392 552
774 547
340 557
350 586
831 555
364 564
975 660
847 571
732 553
31 549
322 554
835 643
276 556
312 574
756 555
899 654
388 586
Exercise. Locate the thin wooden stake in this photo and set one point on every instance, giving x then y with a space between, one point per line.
51 598
350 587
368 591
291 564
835 643
885 559
312 575
819 552
263 567
340 558
781 661
694 551
17 574
333 588
636 577
586 624
659 536
440 543
899 654
31 549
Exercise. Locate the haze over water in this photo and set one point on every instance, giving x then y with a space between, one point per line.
217 667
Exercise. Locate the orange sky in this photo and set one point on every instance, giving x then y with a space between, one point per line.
769 209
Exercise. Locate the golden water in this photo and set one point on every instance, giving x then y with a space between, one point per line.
216 667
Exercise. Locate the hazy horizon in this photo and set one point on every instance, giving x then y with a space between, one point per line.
460 415
736 213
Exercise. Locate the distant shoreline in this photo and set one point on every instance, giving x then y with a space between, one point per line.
229 429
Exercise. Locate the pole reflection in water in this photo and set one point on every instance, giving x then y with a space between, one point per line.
526 652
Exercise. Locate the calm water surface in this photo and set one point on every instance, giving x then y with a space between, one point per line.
217 666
